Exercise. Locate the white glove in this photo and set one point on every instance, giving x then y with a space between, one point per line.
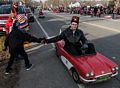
85 46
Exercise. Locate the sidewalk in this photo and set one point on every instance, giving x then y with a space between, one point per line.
110 16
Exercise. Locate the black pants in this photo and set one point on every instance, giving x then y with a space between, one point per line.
75 50
13 54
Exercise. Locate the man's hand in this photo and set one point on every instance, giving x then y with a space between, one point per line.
84 47
42 40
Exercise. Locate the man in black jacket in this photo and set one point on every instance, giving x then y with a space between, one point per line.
73 37
15 41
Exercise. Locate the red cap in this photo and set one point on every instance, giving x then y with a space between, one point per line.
75 19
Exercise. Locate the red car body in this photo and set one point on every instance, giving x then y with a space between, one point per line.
3 20
87 68
41 14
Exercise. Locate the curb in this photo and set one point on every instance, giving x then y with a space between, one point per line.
110 17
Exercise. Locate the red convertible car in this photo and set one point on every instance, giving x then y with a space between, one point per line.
90 67
41 14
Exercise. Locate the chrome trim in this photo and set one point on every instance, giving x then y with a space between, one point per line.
93 80
103 75
4 14
3 21
85 80
114 74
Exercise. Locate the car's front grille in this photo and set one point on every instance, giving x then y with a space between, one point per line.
2 25
104 77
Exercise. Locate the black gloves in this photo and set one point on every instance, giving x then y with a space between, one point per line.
42 40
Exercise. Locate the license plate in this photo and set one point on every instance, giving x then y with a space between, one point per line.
103 78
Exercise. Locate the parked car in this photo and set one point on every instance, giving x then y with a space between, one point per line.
41 14
29 15
90 67
4 15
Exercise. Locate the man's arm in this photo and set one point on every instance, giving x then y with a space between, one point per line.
30 38
6 43
83 38
56 38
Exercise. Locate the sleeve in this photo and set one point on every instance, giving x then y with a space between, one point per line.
83 39
15 25
6 42
30 38
56 38
7 28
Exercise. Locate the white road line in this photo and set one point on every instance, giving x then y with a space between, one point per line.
107 28
34 48
46 34
81 86
42 52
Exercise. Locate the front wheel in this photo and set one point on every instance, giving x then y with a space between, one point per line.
75 76
56 52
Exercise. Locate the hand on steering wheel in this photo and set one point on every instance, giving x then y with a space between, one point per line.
84 47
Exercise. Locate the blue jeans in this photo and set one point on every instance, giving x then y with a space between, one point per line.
113 15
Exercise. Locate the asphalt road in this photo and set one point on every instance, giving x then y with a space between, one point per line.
48 71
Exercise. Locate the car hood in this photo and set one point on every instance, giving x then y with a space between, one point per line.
95 63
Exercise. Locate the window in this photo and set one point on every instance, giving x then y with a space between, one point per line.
5 9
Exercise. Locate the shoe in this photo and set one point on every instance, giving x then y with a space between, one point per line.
6 73
28 68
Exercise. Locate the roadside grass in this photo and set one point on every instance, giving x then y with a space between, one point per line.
7 81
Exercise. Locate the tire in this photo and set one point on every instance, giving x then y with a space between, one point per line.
75 76
56 52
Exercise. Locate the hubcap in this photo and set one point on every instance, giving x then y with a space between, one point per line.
75 76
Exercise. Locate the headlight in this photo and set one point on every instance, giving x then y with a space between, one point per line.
92 73
89 74
115 68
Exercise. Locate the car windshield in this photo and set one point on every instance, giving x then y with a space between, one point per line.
21 10
5 9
